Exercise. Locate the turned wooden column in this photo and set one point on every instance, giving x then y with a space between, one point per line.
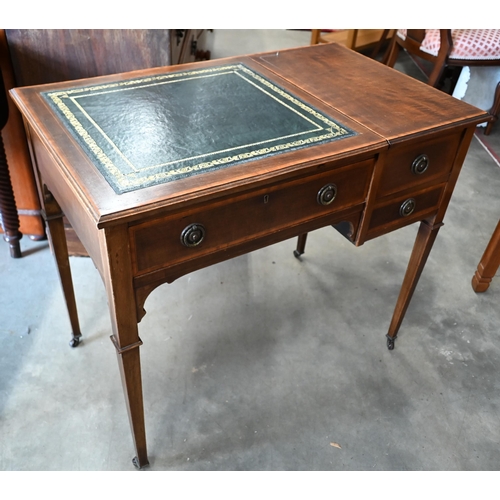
8 210
489 263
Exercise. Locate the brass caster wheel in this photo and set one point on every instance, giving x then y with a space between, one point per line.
75 341
390 343
137 465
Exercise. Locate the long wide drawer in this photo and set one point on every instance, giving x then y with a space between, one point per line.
229 222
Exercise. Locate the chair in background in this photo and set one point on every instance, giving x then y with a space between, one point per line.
448 49
358 39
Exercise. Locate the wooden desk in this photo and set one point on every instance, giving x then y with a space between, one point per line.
388 154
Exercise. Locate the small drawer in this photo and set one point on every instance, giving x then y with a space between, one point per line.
227 223
404 210
418 163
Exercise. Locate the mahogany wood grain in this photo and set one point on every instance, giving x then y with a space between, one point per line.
389 216
135 238
247 217
384 100
119 286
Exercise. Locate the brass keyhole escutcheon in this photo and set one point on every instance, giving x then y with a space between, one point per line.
327 194
420 164
407 207
193 235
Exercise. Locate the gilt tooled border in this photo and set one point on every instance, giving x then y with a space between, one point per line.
134 180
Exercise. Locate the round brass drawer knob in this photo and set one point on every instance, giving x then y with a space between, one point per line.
407 207
193 235
420 164
327 194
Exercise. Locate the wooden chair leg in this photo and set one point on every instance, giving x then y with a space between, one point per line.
489 263
352 36
494 111
436 76
380 43
315 35
391 55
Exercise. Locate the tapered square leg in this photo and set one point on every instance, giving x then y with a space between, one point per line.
130 371
57 238
122 304
301 245
423 244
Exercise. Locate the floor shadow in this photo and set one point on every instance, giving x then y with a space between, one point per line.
33 250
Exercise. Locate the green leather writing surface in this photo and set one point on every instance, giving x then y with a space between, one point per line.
156 129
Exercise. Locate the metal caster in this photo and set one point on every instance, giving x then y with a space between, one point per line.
390 342
75 341
137 465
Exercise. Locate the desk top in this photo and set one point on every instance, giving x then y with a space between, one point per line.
155 129
339 93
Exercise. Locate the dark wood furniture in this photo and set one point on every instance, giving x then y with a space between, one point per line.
9 218
396 164
411 41
36 56
18 158
489 263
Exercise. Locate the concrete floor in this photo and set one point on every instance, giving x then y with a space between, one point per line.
264 362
